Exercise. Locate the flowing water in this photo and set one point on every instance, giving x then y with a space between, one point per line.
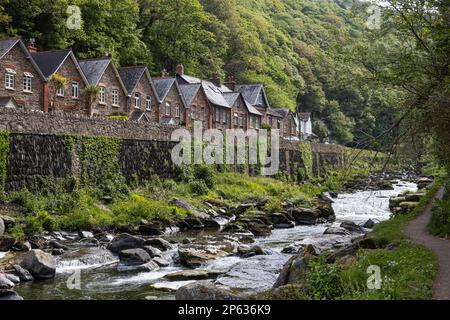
91 274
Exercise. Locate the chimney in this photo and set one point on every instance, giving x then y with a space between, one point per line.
31 46
231 83
180 69
164 73
215 79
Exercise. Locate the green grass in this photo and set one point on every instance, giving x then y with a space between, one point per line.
440 220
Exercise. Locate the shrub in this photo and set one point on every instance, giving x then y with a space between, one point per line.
198 187
32 225
48 222
86 219
25 199
206 174
440 219
324 281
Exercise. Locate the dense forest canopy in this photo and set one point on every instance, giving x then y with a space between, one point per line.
307 53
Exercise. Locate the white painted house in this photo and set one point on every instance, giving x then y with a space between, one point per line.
305 125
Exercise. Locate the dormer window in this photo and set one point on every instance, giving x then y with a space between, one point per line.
149 103
10 79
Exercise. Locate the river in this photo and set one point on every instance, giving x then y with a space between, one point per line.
98 279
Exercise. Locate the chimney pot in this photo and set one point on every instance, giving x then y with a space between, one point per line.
164 73
31 46
231 83
215 79
180 69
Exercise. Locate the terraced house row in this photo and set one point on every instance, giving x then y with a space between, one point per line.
55 81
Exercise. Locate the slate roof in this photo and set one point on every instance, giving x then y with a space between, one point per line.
304 116
252 93
131 76
273 112
163 86
189 92
251 109
138 116
5 100
94 68
231 97
213 93
50 61
283 112
6 45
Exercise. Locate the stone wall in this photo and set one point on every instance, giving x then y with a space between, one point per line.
38 149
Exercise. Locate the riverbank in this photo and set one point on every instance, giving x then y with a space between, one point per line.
406 270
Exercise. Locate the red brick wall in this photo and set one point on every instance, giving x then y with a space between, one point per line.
69 71
17 60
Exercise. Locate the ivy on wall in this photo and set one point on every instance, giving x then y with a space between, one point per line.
4 150
306 155
99 161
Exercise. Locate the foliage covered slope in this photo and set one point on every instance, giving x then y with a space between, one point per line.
295 48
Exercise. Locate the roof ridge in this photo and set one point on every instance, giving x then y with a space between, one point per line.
56 50
94 59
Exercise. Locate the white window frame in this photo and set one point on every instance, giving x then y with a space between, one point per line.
115 97
217 115
235 119
177 111
27 83
75 90
148 103
102 95
10 79
137 101
224 116
61 92
167 109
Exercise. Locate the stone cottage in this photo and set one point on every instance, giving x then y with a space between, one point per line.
23 79
143 100
112 96
172 108
289 128
65 81
198 106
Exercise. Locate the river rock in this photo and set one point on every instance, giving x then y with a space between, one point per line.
424 182
197 274
134 257
2 227
40 264
23 274
57 245
9 295
338 231
287 292
203 290
187 206
152 251
85 235
415 197
161 261
151 229
125 241
158 243
259 229
250 251
395 202
5 283
294 271
8 221
326 210
348 250
14 279
304 216
369 224
21 246
6 242
351 226
146 267
280 221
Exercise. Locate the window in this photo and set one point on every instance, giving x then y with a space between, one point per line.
252 122
270 120
224 117
168 109
278 124
115 97
235 119
27 82
10 79
241 121
60 92
137 101
258 123
102 95
75 90
149 103
177 110
217 115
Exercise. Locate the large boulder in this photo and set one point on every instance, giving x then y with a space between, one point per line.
294 271
40 264
134 257
5 283
153 252
23 274
280 221
2 227
125 241
424 182
7 243
9 295
369 224
305 216
203 290
352 227
146 267
186 275
158 243
338 231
